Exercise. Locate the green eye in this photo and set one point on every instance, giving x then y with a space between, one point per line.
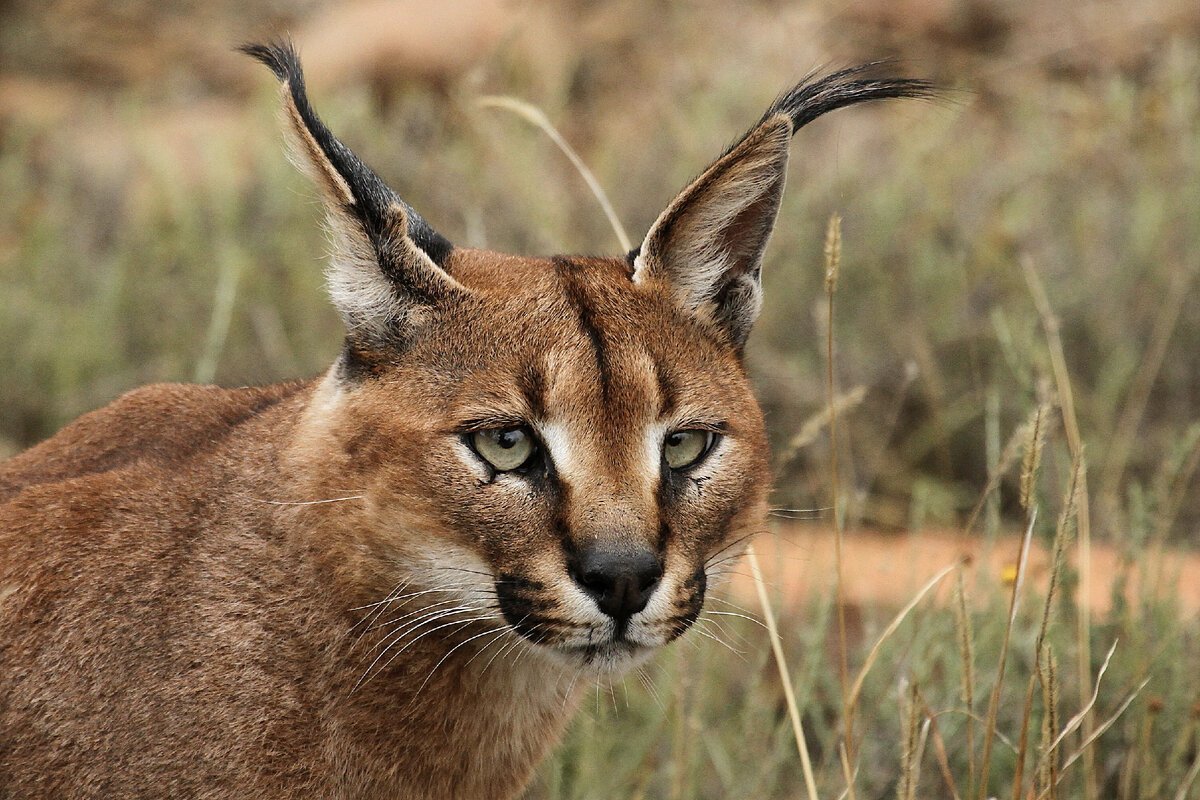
682 449
505 449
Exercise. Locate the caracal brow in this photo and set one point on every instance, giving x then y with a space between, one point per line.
394 580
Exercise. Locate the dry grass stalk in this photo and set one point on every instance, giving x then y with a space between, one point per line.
1041 776
1182 484
1187 739
812 427
1062 535
906 788
989 731
1047 772
833 253
856 689
833 260
1062 380
1076 721
1139 768
1018 783
1008 457
785 677
922 740
966 652
1032 462
224 299
939 749
1103 727
1126 428
847 773
1185 785
537 117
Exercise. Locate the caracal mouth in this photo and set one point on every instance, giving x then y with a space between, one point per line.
614 655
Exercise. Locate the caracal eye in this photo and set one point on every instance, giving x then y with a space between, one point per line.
504 448
682 449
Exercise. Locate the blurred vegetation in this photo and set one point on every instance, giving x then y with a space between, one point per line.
152 230
143 239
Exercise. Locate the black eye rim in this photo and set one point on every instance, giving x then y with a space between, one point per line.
713 437
535 452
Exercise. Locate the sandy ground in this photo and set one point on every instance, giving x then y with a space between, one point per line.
889 569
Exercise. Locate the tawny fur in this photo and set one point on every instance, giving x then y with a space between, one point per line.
175 622
203 591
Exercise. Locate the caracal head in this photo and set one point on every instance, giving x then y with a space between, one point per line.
568 445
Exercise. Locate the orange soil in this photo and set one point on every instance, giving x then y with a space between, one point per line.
889 569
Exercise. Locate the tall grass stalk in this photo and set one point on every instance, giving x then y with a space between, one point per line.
1066 396
1047 772
847 773
1005 462
1143 381
224 297
1018 782
857 686
966 652
939 750
989 731
910 759
833 260
785 676
1189 779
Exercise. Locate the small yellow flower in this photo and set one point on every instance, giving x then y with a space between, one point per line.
1008 575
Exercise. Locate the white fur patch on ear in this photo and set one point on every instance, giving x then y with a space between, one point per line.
366 299
707 246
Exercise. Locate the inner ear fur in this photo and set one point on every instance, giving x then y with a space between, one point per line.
707 246
386 272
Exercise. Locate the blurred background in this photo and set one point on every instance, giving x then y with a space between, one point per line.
151 229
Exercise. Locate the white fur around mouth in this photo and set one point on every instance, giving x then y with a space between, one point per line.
611 655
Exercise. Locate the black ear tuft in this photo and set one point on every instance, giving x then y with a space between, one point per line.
279 56
370 198
813 97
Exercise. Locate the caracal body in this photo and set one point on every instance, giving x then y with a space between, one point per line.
394 580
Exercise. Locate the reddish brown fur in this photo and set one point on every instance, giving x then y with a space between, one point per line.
169 631
324 589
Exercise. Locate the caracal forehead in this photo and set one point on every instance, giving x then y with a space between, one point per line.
567 338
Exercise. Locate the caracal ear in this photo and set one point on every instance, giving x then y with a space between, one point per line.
707 247
386 270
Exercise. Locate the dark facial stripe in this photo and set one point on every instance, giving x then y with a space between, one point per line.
532 383
664 530
667 396
577 297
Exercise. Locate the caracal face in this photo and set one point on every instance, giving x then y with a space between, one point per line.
568 445
564 449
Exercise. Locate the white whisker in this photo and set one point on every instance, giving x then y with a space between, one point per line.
309 502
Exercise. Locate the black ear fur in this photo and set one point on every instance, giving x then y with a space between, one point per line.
371 199
813 97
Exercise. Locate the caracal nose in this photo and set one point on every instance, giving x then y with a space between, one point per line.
619 578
